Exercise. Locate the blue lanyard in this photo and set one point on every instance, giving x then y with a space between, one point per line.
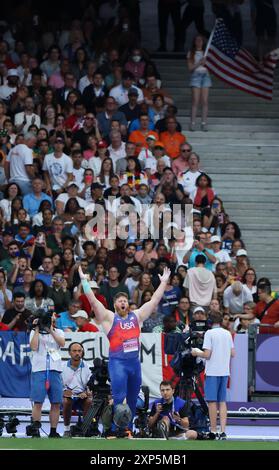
47 371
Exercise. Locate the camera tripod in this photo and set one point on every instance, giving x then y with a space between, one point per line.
82 428
189 384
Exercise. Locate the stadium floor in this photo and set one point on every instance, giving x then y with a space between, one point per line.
130 444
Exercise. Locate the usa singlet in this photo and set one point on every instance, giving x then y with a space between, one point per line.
124 337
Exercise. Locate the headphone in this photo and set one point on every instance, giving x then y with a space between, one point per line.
75 342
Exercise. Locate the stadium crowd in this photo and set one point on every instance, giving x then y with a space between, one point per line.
82 120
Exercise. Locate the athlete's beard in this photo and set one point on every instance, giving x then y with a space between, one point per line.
122 312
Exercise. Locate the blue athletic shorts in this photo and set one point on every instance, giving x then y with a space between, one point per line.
216 388
38 387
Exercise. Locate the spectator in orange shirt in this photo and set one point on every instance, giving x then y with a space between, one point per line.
139 136
172 139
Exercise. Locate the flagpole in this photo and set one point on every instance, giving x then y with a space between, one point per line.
211 37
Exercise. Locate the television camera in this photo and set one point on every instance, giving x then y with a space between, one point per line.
98 384
185 366
44 319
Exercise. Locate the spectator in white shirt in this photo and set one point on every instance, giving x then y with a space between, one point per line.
27 117
120 92
221 255
6 91
88 78
58 168
188 179
72 191
46 366
19 164
150 157
78 170
75 376
235 296
125 191
117 149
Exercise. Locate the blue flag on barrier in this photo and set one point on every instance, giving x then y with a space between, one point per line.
15 366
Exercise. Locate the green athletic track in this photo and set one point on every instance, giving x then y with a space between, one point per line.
130 444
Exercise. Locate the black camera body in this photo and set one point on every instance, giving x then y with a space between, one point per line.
197 330
180 346
98 382
165 407
44 317
33 429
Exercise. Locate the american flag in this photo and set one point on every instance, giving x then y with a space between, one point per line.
236 66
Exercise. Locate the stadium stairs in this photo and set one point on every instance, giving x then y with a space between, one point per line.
240 152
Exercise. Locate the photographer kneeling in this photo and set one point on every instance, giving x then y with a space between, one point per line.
168 415
45 343
75 375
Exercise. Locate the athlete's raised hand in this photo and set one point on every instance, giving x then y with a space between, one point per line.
165 276
81 274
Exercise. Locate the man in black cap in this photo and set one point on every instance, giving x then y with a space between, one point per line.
120 92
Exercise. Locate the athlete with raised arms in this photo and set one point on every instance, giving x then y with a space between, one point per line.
122 328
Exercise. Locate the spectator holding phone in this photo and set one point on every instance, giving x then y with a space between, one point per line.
230 232
198 248
58 291
214 217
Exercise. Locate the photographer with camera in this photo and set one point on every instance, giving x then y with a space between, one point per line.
45 343
218 349
199 315
75 376
123 331
168 415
